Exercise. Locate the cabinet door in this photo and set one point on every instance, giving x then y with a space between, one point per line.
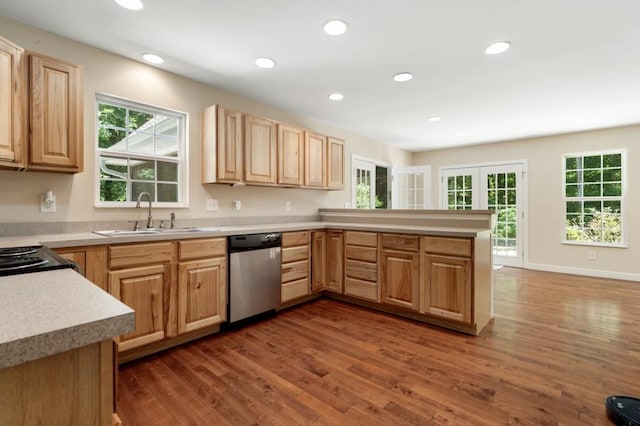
335 163
400 278
202 294
335 261
146 291
229 146
92 261
315 160
318 263
56 115
290 155
446 286
13 113
259 150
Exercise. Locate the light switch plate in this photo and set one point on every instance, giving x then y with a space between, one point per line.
237 205
212 204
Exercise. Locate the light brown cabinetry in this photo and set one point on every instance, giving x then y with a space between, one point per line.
361 269
295 265
260 147
335 261
290 155
447 278
92 261
318 260
315 160
400 270
13 106
202 283
56 136
222 145
335 163
142 276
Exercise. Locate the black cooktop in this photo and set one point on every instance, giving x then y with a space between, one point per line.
24 259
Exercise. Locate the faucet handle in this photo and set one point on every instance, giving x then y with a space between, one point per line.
161 223
136 225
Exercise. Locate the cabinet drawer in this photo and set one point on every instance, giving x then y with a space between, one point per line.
202 248
443 245
400 242
369 239
367 254
294 289
140 254
295 271
363 289
362 270
292 254
295 238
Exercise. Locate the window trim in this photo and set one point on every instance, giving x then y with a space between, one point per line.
623 198
182 158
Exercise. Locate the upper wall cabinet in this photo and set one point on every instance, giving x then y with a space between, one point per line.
259 150
13 112
290 155
55 115
222 145
335 163
41 114
315 160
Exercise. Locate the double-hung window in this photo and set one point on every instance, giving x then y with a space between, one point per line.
594 197
140 148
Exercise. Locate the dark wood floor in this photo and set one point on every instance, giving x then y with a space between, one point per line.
558 346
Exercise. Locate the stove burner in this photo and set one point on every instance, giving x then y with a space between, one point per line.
8 252
17 263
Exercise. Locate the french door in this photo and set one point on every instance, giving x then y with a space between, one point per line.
493 187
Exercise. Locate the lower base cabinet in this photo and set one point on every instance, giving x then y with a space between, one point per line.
295 270
447 287
202 294
334 259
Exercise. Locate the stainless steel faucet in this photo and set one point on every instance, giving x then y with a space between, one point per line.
173 220
149 218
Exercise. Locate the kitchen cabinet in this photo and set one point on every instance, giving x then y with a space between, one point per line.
143 277
447 278
222 145
318 260
335 261
399 271
202 283
92 261
260 148
13 106
335 163
361 265
295 265
56 115
290 155
315 160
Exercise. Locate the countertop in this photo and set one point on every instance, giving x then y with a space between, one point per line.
90 238
45 313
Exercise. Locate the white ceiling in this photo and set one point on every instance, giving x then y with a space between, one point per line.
574 64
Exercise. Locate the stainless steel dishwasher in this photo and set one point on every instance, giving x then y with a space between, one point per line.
254 274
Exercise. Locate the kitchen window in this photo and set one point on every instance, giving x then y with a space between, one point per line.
594 197
140 148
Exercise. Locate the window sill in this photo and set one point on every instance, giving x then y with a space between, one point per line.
592 244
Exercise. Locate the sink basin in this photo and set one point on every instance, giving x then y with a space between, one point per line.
121 232
115 232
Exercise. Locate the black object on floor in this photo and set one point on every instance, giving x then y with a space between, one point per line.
623 410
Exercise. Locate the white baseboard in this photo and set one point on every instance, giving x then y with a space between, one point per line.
583 271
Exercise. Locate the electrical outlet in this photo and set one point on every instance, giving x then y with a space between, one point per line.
287 205
591 255
48 203
237 205
212 204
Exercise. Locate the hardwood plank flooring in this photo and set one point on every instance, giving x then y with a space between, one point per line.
557 347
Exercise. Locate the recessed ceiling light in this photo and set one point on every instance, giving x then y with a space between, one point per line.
336 96
131 4
265 63
433 119
403 76
335 27
497 48
152 58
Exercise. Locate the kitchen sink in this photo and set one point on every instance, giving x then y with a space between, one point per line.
122 232
116 232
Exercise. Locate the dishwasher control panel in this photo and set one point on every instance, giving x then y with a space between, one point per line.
254 241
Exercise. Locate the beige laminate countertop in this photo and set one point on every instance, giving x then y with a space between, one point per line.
90 238
45 313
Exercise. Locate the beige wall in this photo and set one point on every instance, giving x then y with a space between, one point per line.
544 249
118 76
